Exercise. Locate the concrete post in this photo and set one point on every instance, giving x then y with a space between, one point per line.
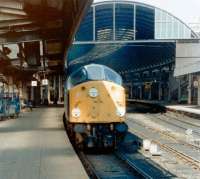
189 89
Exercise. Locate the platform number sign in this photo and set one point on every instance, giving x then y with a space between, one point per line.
45 82
33 83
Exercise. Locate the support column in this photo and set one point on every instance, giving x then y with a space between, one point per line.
32 94
190 89
141 92
48 92
46 95
10 86
20 90
179 90
131 91
150 90
60 89
169 92
41 94
55 91
198 100
159 91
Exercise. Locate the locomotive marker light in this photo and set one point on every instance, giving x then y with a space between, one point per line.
120 111
93 92
76 112
154 149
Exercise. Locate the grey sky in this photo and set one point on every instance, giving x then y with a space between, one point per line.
186 10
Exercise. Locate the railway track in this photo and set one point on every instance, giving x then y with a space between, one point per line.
174 116
120 165
143 165
100 166
178 126
172 121
170 145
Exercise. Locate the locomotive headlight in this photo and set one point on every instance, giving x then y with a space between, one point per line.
76 112
93 92
120 112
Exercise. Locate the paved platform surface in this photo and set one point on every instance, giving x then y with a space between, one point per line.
35 146
186 108
189 109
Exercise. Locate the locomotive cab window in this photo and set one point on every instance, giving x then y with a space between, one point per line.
101 72
112 76
77 77
93 72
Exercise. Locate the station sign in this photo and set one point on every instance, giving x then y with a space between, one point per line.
45 82
33 83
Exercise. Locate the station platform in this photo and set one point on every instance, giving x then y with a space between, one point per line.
35 146
189 110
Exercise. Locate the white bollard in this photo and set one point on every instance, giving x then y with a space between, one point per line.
146 144
189 132
154 149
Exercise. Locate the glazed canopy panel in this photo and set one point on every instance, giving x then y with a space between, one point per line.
128 20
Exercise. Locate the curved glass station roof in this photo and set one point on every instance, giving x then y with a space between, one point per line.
127 36
128 20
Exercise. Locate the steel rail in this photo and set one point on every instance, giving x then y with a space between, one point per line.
88 166
93 173
186 122
130 163
172 136
167 118
188 158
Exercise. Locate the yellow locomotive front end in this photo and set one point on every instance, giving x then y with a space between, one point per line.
96 107
97 102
